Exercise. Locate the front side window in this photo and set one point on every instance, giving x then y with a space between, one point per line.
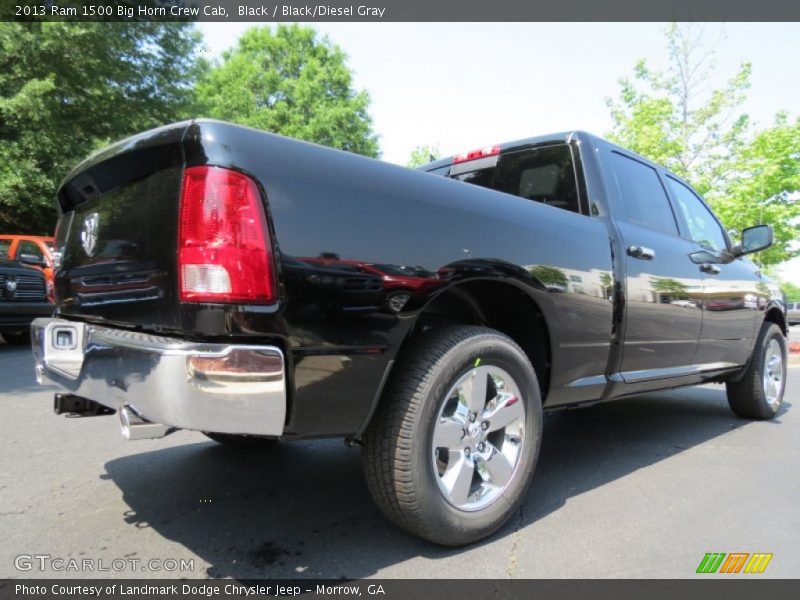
5 246
642 194
703 227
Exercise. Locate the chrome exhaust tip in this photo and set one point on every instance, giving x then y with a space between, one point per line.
135 427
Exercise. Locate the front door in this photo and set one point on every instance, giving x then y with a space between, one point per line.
731 287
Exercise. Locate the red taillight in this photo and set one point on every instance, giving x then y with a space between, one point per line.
473 154
223 242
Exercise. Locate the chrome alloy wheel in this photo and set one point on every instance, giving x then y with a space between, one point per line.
398 300
773 373
478 438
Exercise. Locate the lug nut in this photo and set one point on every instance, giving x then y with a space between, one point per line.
485 425
466 451
481 447
472 417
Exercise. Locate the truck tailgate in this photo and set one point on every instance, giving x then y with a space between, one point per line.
117 233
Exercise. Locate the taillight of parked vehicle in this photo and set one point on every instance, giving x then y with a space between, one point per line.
224 251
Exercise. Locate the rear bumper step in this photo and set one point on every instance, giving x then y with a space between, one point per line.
159 384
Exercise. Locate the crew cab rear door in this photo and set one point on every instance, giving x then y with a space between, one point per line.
663 311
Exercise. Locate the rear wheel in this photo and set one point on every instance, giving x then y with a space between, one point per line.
452 448
233 439
22 338
758 393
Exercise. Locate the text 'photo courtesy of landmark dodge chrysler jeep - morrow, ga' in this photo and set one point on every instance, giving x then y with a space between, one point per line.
230 281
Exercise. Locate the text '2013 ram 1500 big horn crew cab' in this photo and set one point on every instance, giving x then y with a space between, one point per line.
202 286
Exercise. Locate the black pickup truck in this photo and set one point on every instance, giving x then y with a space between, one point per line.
202 286
23 298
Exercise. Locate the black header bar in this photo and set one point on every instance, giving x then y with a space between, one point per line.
400 10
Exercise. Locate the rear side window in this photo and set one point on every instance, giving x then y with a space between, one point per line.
545 175
643 196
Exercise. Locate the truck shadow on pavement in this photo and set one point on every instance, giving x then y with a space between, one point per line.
303 510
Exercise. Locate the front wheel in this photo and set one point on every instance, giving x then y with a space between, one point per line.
452 448
758 392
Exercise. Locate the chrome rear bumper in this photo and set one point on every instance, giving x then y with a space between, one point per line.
223 388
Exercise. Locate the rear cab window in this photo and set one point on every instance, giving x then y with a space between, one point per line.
545 174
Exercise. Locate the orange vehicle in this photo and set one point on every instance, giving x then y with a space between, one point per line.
33 250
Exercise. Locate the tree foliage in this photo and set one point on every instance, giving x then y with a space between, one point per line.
422 155
791 290
674 119
287 80
68 88
765 188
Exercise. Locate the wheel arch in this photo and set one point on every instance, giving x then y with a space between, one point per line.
774 314
504 304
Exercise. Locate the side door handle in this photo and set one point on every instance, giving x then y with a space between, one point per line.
710 269
641 252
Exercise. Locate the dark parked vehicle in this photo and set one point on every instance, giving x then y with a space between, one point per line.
23 298
571 271
322 287
793 313
399 282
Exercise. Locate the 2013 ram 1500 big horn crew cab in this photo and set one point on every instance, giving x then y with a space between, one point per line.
218 278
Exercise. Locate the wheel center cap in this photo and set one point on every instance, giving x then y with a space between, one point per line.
474 432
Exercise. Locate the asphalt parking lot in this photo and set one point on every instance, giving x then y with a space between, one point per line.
636 488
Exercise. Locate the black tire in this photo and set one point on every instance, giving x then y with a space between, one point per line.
241 441
747 395
397 446
22 338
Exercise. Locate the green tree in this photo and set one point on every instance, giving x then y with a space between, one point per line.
765 188
68 88
422 155
667 117
287 80
791 290
549 276
666 286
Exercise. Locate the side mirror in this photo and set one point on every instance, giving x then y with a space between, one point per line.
758 237
31 259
